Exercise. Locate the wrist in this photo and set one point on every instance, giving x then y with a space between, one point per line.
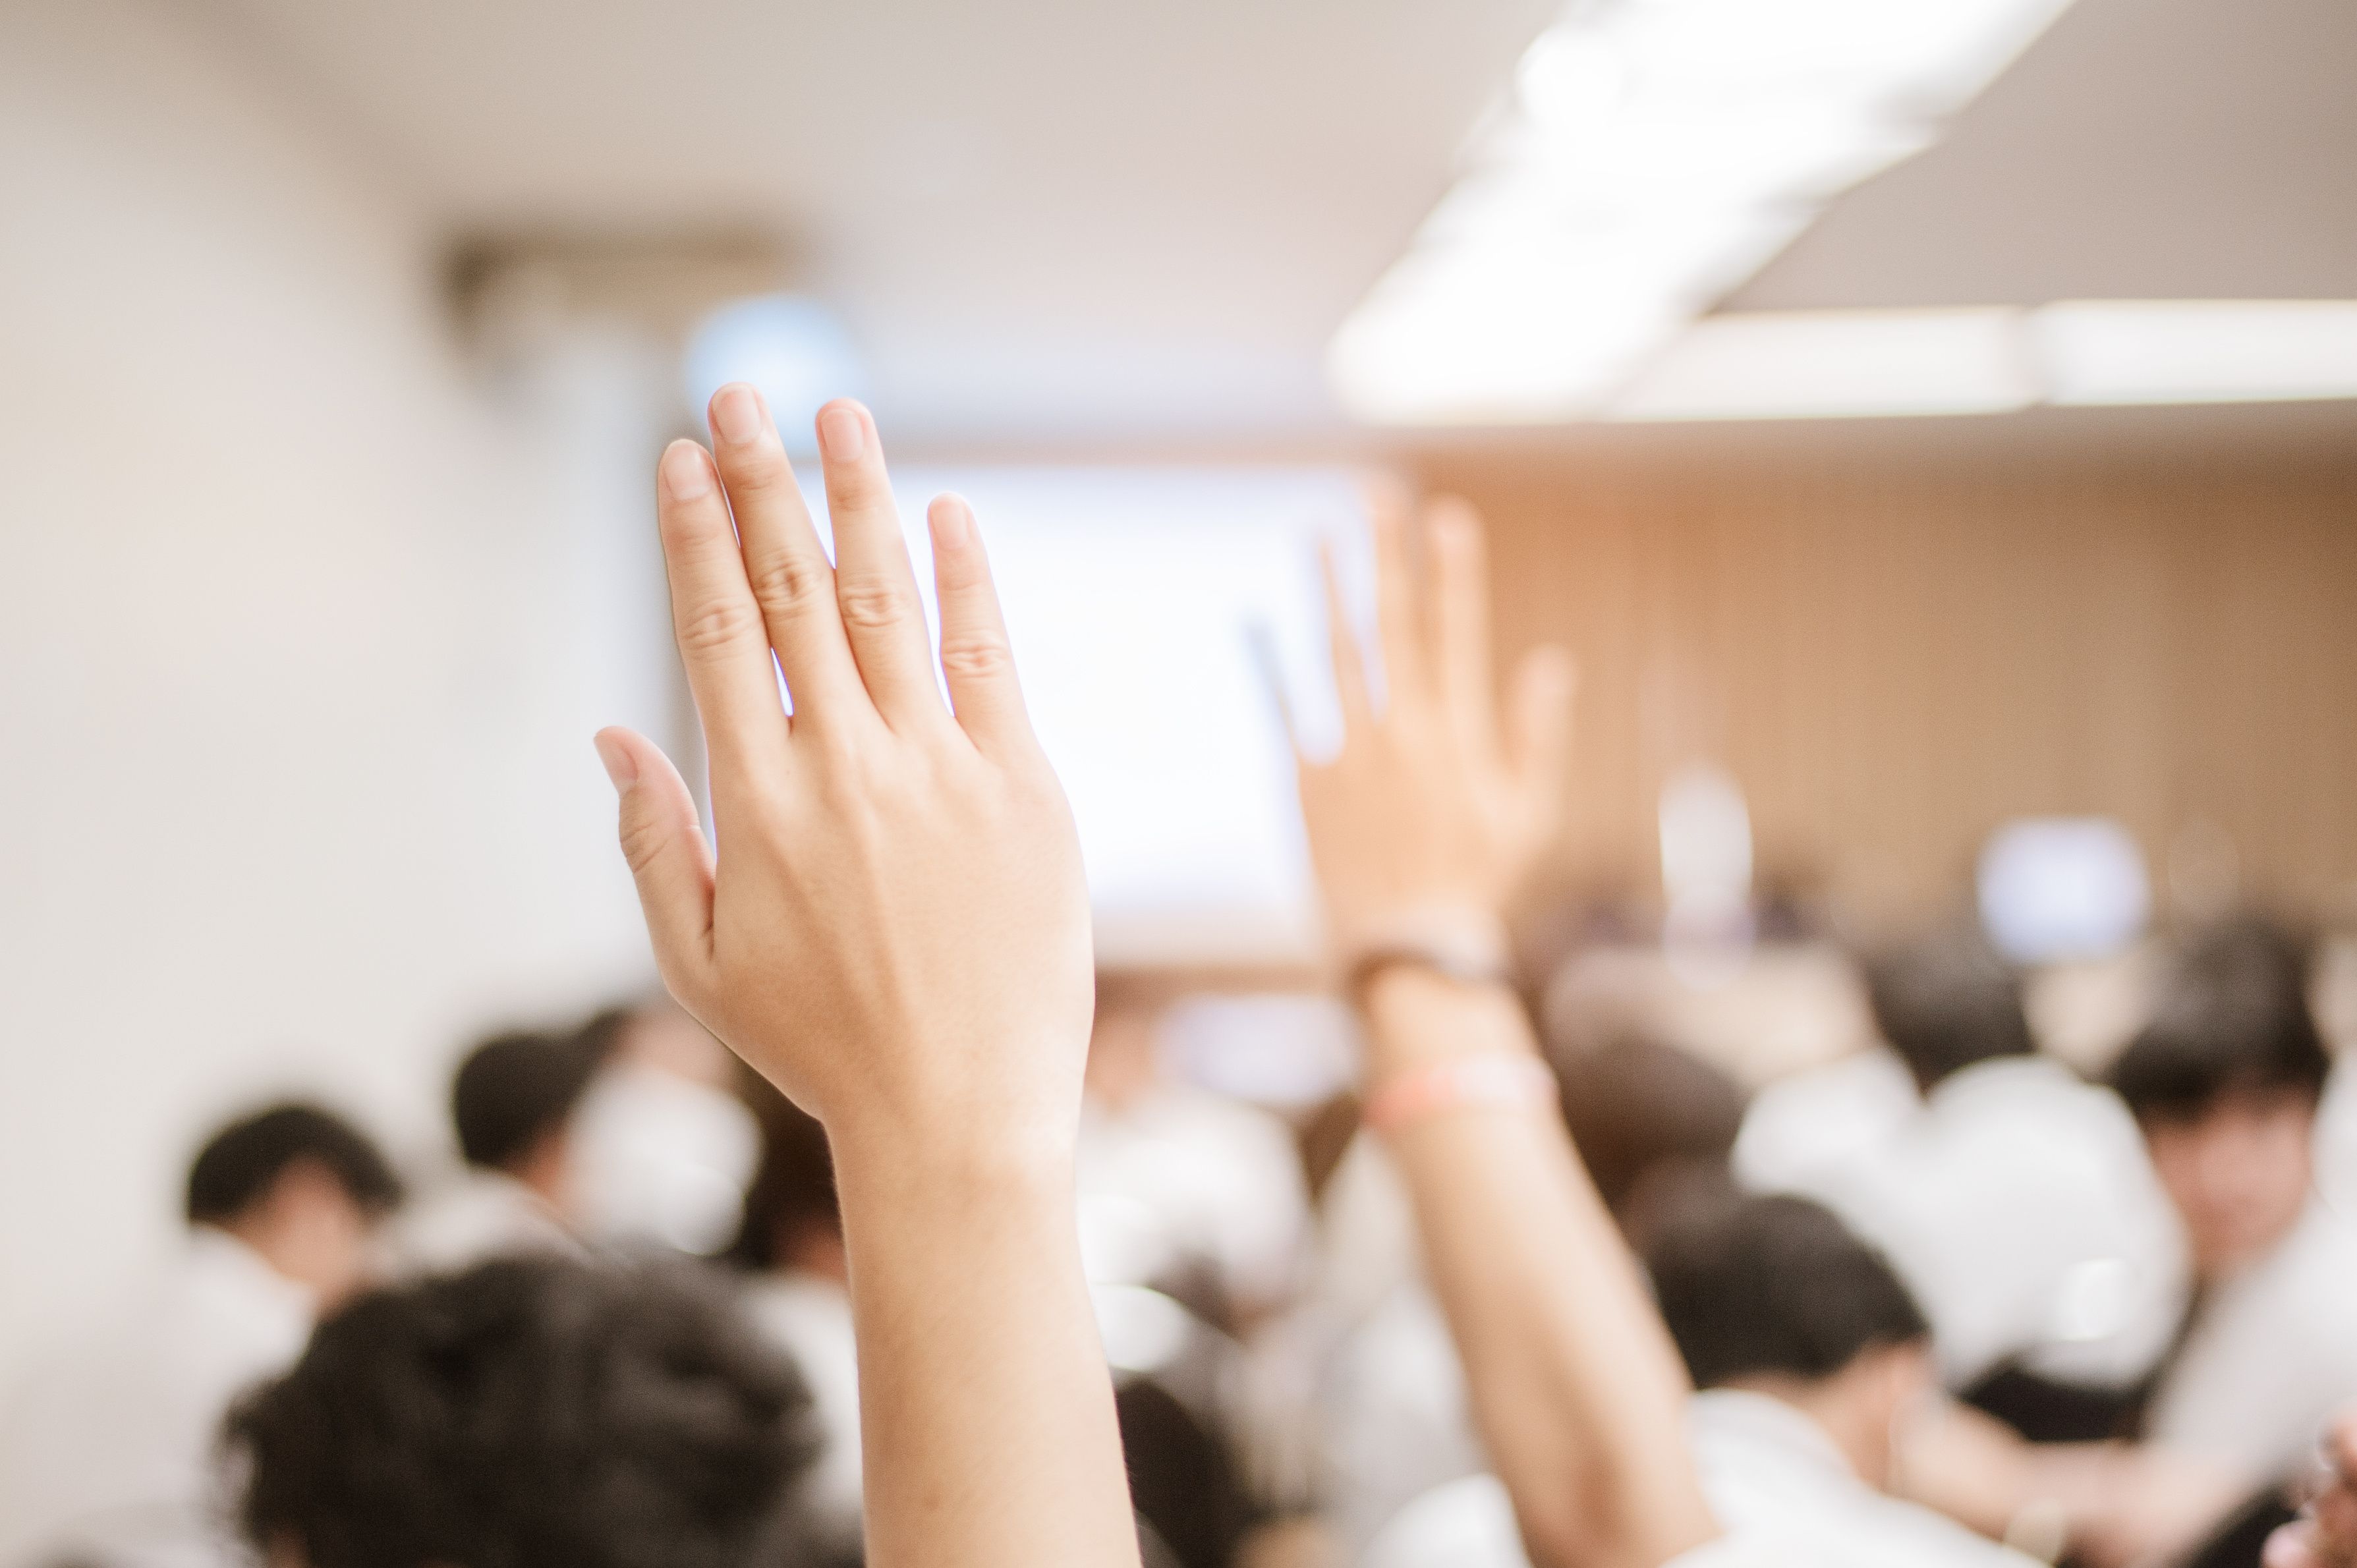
969 1147
1416 1014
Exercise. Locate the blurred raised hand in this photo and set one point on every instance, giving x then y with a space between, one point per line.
1432 813
896 930
1420 829
895 933
2326 1535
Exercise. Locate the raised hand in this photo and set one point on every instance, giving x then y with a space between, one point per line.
896 931
1419 829
2326 1535
1429 816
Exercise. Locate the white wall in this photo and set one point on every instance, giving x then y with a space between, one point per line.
301 643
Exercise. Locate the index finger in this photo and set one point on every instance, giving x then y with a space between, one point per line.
715 619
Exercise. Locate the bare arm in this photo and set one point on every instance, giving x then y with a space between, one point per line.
1420 827
896 934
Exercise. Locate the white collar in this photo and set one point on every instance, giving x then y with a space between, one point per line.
1764 1422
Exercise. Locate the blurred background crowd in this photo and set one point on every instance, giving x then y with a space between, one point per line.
1956 932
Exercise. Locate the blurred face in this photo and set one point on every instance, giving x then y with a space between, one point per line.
311 1230
2239 1172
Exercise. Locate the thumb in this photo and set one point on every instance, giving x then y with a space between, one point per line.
668 856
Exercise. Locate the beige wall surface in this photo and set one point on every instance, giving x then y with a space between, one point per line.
1895 638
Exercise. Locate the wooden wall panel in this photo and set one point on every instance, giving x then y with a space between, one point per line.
1895 646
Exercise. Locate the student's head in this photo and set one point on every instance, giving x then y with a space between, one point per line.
1946 1002
1774 1294
300 1185
513 1101
530 1413
2224 1081
1640 1110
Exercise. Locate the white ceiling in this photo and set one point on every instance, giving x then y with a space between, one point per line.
1046 219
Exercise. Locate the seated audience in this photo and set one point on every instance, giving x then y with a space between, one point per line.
532 1412
2016 1200
106 1446
2224 1083
1809 1352
513 1106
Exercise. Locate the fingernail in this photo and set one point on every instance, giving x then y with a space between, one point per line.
841 434
685 473
952 522
619 769
737 414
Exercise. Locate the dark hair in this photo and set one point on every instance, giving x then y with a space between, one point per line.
538 1413
1774 1285
515 1089
239 1163
1945 1002
2231 1017
793 1188
1635 1105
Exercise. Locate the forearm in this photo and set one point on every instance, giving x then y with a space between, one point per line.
986 1409
1576 1388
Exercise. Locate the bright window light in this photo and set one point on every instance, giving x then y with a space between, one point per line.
1653 154
1146 607
1842 363
2143 351
2057 888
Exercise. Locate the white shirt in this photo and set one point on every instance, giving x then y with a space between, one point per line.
1469 1523
2273 1357
108 1444
810 1318
1180 1176
2015 1201
478 1215
1772 1474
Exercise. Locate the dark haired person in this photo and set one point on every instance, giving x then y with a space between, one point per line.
106 1447
533 1410
2015 1199
1809 1352
2224 1083
513 1101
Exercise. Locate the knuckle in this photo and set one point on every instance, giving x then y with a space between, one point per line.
756 472
873 606
975 657
787 582
717 625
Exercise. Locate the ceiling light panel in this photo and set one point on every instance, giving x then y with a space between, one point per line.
1652 154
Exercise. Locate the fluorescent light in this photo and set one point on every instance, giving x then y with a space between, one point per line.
2151 351
1837 363
1653 154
